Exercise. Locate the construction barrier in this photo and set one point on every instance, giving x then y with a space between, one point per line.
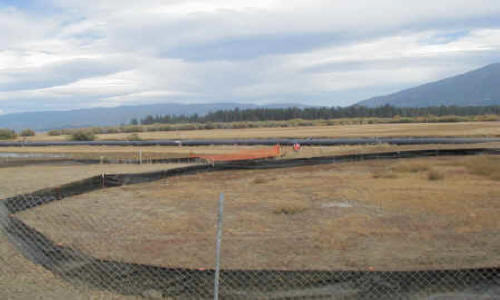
248 154
265 142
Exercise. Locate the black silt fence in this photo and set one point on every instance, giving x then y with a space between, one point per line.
183 283
268 142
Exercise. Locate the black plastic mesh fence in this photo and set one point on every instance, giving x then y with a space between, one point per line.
268 142
123 277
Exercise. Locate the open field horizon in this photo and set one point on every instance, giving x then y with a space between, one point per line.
457 129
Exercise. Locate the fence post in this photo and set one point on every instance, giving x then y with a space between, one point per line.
217 250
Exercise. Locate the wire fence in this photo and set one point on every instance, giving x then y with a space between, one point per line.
62 247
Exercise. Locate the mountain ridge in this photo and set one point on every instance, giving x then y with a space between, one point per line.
110 116
479 87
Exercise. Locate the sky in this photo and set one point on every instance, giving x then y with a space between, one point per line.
71 54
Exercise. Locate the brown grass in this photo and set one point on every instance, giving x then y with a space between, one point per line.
20 278
460 129
434 174
412 166
17 180
384 173
342 218
484 166
156 152
291 208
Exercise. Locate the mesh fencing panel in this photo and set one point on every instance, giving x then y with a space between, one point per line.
58 239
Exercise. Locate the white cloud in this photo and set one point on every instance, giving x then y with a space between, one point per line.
213 50
393 60
18 29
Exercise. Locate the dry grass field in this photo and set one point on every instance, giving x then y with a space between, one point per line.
21 279
409 214
157 152
27 179
459 129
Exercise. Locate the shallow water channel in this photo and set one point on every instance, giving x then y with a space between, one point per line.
29 155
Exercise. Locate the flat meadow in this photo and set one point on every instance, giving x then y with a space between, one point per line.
389 215
456 129
420 213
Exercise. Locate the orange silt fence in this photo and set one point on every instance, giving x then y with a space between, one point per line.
271 152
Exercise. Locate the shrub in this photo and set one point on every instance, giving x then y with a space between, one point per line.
306 123
238 125
450 119
165 128
55 132
111 130
83 135
209 126
187 127
435 175
387 174
487 118
7 134
152 128
97 130
262 179
290 208
133 137
27 132
259 180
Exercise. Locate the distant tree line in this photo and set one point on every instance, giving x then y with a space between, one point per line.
291 117
318 113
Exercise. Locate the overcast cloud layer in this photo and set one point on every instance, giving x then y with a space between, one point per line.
74 54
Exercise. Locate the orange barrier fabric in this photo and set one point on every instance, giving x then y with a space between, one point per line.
243 155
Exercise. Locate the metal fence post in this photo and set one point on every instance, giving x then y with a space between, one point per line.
217 250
